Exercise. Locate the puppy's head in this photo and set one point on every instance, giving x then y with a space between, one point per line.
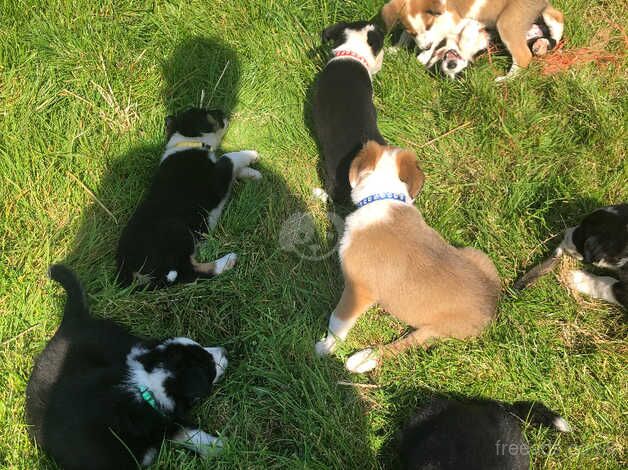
453 63
205 125
178 372
361 37
384 168
417 16
601 238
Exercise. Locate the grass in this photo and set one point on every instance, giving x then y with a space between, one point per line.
84 89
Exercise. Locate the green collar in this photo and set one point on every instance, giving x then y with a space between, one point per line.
149 398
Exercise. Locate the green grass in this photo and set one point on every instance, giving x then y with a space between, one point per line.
84 89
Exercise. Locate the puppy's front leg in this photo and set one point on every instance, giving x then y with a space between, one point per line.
353 303
198 441
241 161
598 287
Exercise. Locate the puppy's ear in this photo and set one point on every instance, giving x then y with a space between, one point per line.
391 12
410 172
364 161
170 126
333 32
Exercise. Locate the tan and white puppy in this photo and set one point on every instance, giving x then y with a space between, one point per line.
429 22
392 258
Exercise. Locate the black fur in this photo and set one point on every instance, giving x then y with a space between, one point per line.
78 405
160 236
471 434
343 112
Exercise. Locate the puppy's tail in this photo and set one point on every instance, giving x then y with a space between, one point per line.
76 303
538 414
538 271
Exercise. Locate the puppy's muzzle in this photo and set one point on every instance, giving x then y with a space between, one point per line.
451 59
219 355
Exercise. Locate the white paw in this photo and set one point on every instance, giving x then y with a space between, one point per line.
362 361
320 194
326 346
219 355
226 263
249 173
252 154
583 282
424 57
513 72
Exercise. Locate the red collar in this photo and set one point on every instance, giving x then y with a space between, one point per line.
358 57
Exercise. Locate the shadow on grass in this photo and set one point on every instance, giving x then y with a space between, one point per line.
230 310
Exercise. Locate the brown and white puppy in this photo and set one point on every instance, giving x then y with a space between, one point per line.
429 22
391 257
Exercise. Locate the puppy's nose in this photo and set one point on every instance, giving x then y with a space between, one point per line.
451 64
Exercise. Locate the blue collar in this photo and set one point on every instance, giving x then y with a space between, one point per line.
381 197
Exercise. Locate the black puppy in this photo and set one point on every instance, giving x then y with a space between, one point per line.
472 434
601 239
344 115
186 197
101 398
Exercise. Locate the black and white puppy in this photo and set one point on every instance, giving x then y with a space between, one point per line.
101 398
343 111
600 239
448 434
186 197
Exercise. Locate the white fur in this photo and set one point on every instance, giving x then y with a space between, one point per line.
149 457
249 173
225 263
182 340
320 194
356 42
476 8
212 139
556 28
362 361
383 178
561 424
430 39
472 39
171 276
198 441
154 380
220 359
598 287
567 245
512 73
241 159
216 212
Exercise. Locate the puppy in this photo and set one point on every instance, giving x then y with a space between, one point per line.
344 116
600 239
101 398
429 22
473 434
186 197
459 50
391 257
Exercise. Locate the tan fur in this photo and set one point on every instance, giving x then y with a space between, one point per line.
407 268
512 18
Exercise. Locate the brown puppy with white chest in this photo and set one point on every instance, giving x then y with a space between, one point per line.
429 22
392 258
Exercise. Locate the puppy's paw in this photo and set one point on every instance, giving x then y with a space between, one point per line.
512 73
326 346
583 282
226 263
252 155
362 361
320 194
424 57
249 173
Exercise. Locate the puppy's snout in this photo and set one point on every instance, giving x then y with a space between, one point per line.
451 64
219 355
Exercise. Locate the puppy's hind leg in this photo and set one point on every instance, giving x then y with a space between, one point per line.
368 359
512 26
214 268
